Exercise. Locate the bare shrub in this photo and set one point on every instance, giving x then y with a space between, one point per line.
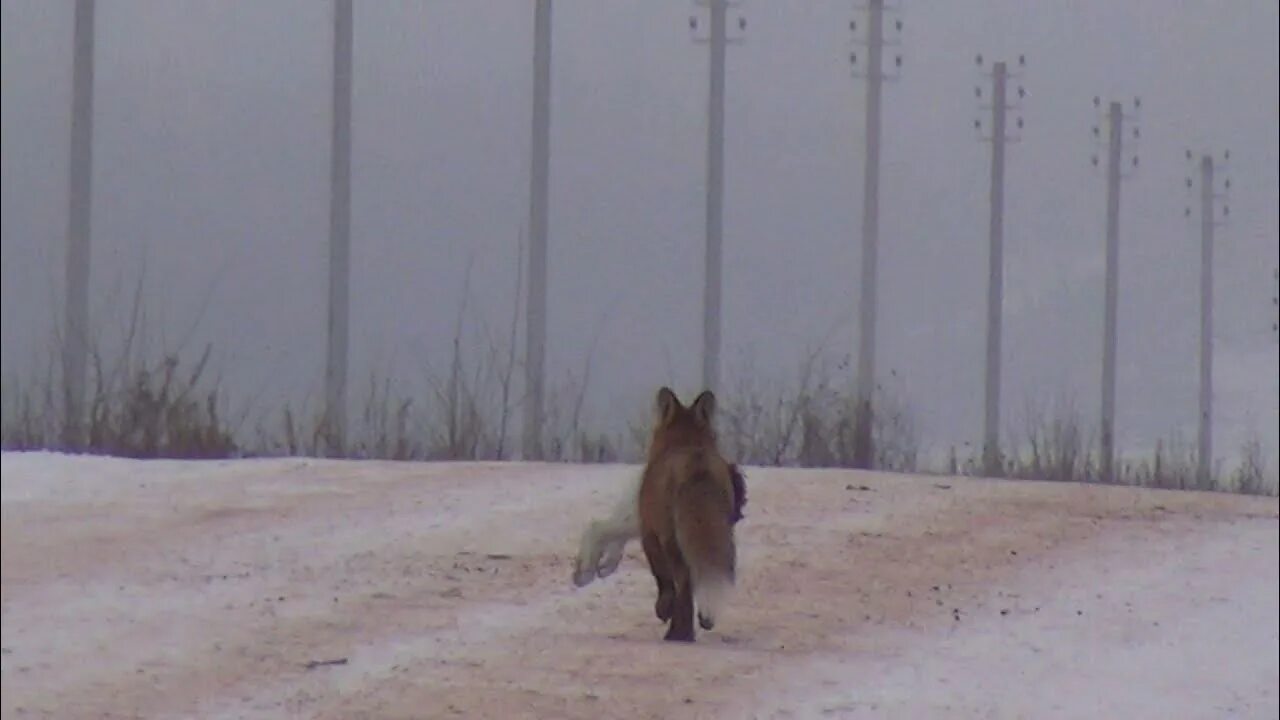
1250 476
153 410
1172 466
813 422
1053 446
136 406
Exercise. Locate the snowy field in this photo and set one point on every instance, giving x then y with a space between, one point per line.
328 589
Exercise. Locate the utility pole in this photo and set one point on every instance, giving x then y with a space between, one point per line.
339 232
992 459
1204 455
1204 447
863 450
1111 294
539 172
1115 121
718 41
75 347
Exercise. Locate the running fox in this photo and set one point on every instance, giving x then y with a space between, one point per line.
686 508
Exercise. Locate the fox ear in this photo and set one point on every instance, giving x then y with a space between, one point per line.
704 407
667 404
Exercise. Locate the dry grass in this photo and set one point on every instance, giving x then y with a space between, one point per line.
162 407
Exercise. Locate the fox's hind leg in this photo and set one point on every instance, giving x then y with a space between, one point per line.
661 574
681 629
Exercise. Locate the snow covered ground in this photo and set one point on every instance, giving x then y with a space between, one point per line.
330 589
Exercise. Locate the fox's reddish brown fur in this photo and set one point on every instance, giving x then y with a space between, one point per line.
687 508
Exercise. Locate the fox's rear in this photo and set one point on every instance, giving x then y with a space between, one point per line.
603 540
704 532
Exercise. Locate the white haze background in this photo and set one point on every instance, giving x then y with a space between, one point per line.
210 170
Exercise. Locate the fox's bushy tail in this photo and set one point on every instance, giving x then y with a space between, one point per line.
704 531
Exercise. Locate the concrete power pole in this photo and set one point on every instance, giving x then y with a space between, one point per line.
863 450
715 201
536 306
992 458
339 232
1111 293
1204 455
1115 121
75 348
1204 446
718 41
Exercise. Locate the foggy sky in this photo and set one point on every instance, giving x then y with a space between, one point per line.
211 157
